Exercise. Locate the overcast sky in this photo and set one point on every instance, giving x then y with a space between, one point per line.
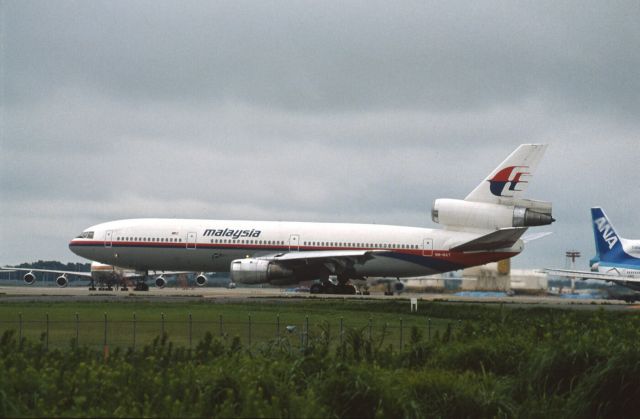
311 111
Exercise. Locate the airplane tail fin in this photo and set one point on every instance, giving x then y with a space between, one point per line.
496 203
608 242
510 179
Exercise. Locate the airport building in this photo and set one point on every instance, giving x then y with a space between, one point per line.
490 277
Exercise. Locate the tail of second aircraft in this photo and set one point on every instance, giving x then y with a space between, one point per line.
608 242
496 202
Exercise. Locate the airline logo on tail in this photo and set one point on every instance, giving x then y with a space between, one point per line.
509 175
606 231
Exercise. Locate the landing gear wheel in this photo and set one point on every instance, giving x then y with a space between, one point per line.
316 288
345 289
141 286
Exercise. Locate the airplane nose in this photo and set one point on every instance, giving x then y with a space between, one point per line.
73 246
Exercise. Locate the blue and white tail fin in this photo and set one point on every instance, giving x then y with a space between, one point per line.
510 179
608 242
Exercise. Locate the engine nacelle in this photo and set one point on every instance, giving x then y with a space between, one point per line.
201 280
258 271
161 282
487 216
62 281
29 278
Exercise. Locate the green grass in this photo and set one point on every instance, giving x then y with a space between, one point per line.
482 361
131 324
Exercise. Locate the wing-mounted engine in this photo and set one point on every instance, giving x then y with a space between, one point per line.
29 278
260 271
62 281
201 280
161 282
490 216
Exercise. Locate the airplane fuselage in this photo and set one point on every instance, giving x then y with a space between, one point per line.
211 245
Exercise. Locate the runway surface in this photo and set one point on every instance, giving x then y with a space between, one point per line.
213 294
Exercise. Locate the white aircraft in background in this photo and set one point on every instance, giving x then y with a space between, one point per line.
617 259
105 275
484 227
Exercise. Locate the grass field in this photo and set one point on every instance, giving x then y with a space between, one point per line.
481 360
130 324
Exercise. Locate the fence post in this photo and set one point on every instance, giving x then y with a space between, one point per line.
249 329
306 331
162 325
46 345
105 347
401 335
77 329
221 325
429 327
190 330
105 329
278 326
134 331
20 328
341 330
370 327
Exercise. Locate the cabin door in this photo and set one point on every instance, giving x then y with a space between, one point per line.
294 243
427 247
191 240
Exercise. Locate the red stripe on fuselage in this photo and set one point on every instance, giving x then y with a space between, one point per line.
460 258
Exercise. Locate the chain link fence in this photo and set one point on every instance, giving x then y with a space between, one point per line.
187 332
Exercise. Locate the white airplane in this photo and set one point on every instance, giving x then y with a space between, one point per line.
105 275
484 227
617 259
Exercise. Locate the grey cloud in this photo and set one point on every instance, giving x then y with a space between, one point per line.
355 112
331 56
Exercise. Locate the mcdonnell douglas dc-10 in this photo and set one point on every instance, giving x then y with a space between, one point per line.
486 226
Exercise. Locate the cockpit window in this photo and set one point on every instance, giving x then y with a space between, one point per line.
85 235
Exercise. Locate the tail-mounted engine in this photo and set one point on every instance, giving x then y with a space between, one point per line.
259 271
487 216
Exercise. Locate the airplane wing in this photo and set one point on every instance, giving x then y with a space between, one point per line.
322 254
601 276
333 261
141 274
59 272
499 239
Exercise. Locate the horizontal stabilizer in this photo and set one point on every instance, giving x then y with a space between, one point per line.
535 236
499 239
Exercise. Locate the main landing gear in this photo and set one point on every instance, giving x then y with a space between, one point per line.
141 286
141 282
327 287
